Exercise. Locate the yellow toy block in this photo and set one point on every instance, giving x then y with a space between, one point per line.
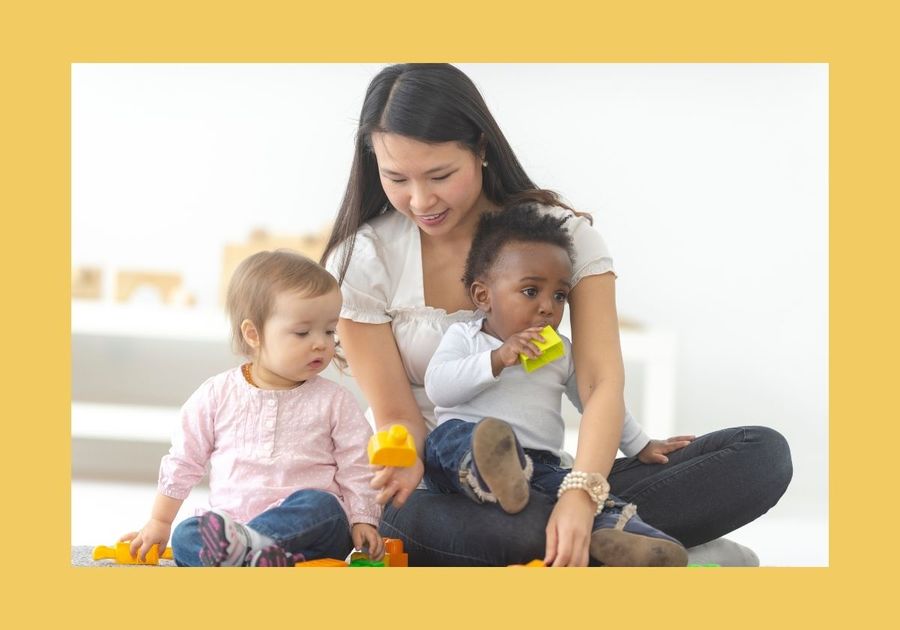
121 553
552 348
322 562
394 447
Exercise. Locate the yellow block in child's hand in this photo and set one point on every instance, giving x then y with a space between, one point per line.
394 447
552 348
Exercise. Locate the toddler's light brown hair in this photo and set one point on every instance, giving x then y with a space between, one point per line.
259 278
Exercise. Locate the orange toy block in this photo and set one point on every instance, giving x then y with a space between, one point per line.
532 564
322 562
394 447
121 553
393 553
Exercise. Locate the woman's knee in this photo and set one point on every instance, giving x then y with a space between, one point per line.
774 454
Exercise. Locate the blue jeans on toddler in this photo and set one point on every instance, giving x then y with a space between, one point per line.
308 522
448 450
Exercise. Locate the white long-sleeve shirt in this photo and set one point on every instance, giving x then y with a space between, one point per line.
461 384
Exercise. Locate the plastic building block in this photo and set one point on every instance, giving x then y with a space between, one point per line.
322 562
394 447
393 553
533 563
362 559
552 348
365 562
121 553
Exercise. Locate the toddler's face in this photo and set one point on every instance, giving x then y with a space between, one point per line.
527 287
298 338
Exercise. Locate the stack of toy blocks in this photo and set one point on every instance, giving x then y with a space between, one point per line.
393 557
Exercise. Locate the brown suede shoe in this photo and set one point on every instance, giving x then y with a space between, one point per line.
622 539
500 468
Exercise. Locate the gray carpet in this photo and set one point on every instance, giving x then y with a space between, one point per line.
82 557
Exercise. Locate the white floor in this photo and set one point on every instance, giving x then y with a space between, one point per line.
101 512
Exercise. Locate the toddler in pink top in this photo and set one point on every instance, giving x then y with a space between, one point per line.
285 448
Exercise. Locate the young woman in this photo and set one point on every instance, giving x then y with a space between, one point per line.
429 160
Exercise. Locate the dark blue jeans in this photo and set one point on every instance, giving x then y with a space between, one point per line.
308 522
447 452
719 482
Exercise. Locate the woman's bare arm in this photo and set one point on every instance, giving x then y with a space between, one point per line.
599 372
601 383
374 359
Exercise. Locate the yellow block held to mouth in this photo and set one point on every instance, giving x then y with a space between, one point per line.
552 348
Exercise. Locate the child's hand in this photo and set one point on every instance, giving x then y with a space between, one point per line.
366 536
519 343
656 450
155 532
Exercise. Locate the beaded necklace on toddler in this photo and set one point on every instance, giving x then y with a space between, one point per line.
246 371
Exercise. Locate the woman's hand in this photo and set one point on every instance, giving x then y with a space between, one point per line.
569 530
396 484
155 532
656 450
366 536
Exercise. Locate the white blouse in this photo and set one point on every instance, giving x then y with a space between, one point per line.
384 283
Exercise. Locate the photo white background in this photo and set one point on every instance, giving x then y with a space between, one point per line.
708 182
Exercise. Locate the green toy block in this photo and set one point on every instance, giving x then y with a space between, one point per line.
365 562
552 348
362 559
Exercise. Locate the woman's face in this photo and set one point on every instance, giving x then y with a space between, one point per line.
436 185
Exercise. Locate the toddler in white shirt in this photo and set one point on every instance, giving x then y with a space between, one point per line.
500 430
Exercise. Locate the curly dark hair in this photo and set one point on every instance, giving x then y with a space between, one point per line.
516 223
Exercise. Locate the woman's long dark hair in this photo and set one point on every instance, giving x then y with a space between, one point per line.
433 103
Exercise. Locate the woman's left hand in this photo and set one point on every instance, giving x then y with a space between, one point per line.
396 484
656 450
569 530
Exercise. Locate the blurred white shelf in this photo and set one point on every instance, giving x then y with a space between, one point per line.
132 423
129 332
145 322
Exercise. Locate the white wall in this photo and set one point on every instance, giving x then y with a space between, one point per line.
709 182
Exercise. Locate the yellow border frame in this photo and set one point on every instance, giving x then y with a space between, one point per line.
39 41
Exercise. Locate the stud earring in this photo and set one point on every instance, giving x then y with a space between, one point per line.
484 163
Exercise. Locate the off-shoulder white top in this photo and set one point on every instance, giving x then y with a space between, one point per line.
384 283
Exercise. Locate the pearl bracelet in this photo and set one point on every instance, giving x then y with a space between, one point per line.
594 484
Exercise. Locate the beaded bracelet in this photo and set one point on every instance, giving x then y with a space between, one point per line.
594 484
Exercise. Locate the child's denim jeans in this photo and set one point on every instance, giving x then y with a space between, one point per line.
308 522
448 454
